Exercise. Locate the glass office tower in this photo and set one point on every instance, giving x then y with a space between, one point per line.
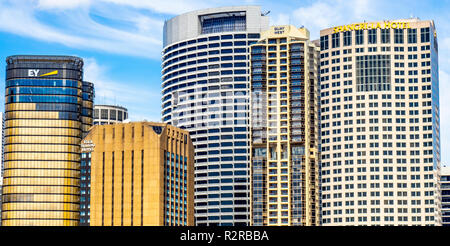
45 116
380 123
205 90
285 129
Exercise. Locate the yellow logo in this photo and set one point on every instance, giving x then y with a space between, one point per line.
375 25
50 73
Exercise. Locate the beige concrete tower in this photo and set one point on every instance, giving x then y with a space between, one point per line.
380 123
284 128
141 174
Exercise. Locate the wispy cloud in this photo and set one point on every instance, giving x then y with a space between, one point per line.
76 28
327 13
164 6
112 92
62 4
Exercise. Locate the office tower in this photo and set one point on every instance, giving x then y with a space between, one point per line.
88 107
380 144
141 174
205 90
445 195
1 164
85 184
103 114
285 129
43 130
85 170
109 114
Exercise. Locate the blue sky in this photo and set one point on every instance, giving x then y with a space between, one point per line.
121 40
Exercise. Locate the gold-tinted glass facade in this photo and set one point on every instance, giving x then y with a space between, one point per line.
285 129
141 174
43 131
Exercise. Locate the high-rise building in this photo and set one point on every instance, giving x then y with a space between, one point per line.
1 164
103 114
445 195
109 114
205 90
284 129
380 135
88 107
44 121
142 174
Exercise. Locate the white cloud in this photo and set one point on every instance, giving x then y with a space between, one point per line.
164 6
62 4
326 13
78 30
136 98
280 19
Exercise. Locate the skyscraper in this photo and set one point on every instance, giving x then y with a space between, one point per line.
142 175
284 128
205 90
109 114
44 118
380 144
102 114
1 164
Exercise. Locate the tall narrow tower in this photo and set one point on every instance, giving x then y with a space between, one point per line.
285 128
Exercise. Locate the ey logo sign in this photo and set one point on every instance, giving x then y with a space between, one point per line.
35 73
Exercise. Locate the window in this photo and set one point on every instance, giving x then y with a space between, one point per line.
335 40
412 36
425 35
359 37
324 42
373 73
347 38
372 36
385 36
224 22
104 114
112 114
398 36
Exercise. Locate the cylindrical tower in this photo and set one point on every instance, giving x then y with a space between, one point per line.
43 130
109 114
205 89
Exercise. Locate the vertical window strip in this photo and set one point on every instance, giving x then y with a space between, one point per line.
142 185
123 168
132 184
112 191
103 189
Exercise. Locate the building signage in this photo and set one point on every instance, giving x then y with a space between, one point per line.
35 73
278 30
373 25
87 146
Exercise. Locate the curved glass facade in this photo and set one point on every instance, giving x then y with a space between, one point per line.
205 90
48 108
